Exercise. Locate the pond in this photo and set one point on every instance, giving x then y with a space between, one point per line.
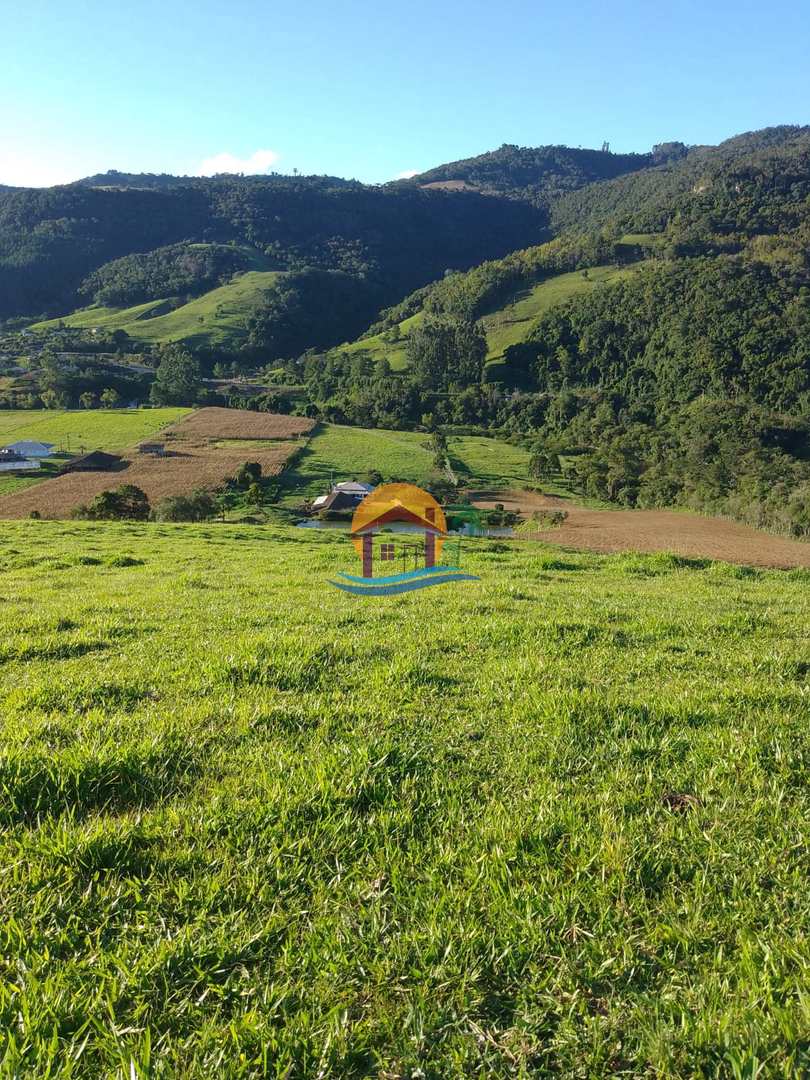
404 527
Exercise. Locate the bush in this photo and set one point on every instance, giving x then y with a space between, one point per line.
199 506
248 473
125 503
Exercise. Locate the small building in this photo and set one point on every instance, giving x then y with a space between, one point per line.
156 448
95 461
11 461
351 489
30 449
335 500
354 488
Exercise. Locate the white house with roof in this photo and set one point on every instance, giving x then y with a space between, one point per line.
30 449
353 489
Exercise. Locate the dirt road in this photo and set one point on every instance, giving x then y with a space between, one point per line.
657 530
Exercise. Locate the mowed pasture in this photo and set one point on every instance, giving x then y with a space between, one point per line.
551 822
194 460
93 429
338 452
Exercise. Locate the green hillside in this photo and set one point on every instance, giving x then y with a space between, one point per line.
338 452
509 323
216 319
550 822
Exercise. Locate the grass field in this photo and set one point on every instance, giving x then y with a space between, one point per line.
507 325
96 429
216 319
340 453
552 822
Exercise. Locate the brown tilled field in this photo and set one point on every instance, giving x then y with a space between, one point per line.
190 463
215 423
656 530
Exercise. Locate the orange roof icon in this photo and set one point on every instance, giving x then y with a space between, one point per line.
404 503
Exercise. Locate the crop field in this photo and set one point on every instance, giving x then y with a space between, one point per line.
194 461
551 822
215 319
340 453
240 424
93 429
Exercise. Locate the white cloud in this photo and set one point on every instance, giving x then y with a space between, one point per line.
407 175
21 170
258 162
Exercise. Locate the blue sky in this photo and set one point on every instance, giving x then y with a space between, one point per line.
374 90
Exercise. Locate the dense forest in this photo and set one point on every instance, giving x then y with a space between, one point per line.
52 239
543 173
181 270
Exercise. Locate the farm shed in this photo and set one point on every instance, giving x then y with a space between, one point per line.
95 461
156 448
11 461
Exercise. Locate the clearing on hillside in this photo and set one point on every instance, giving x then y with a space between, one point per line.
508 324
192 461
217 319
337 452
93 429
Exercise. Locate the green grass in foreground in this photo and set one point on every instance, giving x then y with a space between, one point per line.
551 822
97 429
216 319
340 453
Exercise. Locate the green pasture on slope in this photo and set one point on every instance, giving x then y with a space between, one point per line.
217 318
510 323
550 822
337 452
513 322
95 429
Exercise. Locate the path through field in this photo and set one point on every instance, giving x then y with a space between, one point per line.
656 530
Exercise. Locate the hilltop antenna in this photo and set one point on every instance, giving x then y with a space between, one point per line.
605 147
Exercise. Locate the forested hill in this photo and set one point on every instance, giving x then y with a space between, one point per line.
543 173
390 239
758 182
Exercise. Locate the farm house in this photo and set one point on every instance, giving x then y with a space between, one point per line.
31 449
95 461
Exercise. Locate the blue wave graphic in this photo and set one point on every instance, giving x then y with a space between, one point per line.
402 583
410 575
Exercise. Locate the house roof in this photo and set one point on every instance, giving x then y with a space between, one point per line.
353 487
31 448
401 503
96 459
338 500
399 512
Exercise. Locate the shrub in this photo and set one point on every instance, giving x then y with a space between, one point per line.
248 473
199 506
125 503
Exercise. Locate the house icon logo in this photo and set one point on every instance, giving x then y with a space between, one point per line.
399 524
